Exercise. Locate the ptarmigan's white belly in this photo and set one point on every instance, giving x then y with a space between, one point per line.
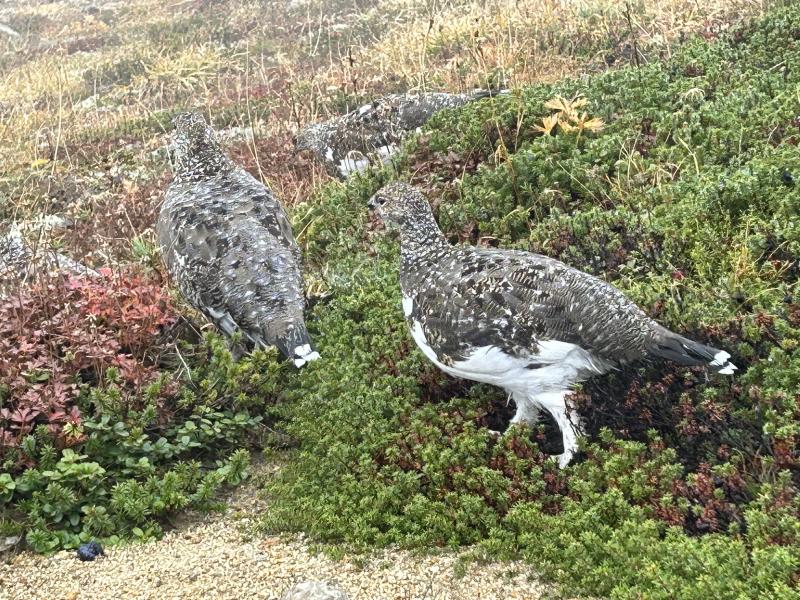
356 162
556 364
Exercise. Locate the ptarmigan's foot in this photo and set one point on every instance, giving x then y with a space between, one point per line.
527 411
564 458
238 351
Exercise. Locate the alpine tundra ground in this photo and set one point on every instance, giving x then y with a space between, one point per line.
120 410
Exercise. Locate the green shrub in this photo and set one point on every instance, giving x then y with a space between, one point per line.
687 201
100 435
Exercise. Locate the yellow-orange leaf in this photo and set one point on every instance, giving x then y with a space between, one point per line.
557 103
595 124
548 124
578 102
567 126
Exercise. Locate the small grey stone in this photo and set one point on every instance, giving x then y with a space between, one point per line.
7 30
8 542
313 590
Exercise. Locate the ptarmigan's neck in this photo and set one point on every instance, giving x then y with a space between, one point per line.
202 161
421 242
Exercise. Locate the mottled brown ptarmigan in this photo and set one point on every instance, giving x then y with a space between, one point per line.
228 244
372 133
521 321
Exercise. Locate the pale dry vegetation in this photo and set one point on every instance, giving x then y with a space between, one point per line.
88 88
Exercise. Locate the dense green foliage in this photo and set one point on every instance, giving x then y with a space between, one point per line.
99 436
687 486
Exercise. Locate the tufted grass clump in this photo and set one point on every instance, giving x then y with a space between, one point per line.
687 200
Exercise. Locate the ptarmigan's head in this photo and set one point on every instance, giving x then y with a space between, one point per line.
401 205
195 148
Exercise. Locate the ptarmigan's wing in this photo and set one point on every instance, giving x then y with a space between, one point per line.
407 112
517 301
380 126
256 201
233 257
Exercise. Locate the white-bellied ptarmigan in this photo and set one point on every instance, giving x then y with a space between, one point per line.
228 244
521 321
373 132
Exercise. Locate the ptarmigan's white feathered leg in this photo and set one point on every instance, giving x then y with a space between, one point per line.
527 410
557 404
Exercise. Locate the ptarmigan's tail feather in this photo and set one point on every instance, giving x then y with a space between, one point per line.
295 344
671 346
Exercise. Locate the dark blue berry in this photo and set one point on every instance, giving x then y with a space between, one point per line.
89 551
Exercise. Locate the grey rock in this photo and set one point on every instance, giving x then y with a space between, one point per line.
7 30
8 542
21 263
313 590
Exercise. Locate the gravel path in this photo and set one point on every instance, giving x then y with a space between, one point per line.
214 556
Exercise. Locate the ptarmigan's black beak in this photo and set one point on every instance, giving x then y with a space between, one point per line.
373 203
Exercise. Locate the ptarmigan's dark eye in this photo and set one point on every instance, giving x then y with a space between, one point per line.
376 201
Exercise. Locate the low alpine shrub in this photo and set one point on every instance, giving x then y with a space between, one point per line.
685 198
108 423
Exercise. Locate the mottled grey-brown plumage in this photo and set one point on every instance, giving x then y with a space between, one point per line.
20 263
228 244
523 321
373 132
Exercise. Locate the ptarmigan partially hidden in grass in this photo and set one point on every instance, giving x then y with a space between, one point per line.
372 133
229 246
20 263
525 322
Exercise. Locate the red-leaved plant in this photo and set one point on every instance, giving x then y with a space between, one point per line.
62 333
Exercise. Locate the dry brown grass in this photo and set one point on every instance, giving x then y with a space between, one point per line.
85 90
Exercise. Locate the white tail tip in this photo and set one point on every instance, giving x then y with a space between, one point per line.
721 360
304 355
728 369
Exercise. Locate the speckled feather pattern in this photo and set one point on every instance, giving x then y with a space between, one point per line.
14 253
228 245
467 297
374 131
513 300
